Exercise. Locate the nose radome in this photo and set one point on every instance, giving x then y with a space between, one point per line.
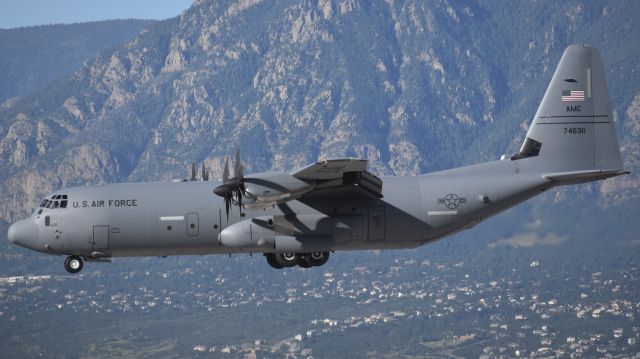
24 233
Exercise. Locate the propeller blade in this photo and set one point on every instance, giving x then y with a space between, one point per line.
239 165
225 174
231 189
193 171
227 204
202 172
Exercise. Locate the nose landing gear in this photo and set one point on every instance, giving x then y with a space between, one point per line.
73 264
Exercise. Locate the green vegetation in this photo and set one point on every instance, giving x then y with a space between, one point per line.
31 57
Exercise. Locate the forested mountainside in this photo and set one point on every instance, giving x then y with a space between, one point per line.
412 86
31 57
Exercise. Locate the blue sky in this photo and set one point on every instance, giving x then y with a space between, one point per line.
17 13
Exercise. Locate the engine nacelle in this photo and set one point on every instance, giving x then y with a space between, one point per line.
255 233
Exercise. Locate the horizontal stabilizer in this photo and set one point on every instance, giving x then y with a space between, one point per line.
583 176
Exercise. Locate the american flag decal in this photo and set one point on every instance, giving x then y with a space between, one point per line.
572 96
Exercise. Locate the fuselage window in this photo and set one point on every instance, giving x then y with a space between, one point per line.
64 196
63 203
50 204
44 203
55 204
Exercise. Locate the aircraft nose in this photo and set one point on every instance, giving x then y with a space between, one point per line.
24 233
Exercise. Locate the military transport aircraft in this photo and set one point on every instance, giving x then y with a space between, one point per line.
298 218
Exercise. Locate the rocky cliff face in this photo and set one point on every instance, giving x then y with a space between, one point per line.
410 85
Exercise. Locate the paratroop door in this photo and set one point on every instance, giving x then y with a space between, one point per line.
100 237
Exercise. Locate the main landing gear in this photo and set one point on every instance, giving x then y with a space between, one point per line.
303 260
73 264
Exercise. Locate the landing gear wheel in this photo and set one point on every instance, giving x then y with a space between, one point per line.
73 264
287 260
273 262
317 259
303 261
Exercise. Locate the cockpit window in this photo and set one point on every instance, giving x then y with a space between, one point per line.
56 201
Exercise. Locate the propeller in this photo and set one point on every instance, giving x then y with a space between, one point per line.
232 187
205 173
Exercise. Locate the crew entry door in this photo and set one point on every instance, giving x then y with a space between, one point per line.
100 238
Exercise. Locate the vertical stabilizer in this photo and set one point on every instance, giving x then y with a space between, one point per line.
573 129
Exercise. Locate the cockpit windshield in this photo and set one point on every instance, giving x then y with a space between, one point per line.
56 201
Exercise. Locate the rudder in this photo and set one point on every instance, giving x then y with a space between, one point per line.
573 128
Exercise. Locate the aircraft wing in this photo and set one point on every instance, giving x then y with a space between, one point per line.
341 172
261 190
330 169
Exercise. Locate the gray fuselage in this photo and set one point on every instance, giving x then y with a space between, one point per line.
139 219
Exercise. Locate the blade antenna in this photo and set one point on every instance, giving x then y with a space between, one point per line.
193 171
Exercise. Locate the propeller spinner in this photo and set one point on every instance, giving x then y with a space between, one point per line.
232 188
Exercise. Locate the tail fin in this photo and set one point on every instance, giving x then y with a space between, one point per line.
573 131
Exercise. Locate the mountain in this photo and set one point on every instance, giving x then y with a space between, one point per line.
412 86
33 56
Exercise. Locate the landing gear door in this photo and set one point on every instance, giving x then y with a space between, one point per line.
376 223
100 238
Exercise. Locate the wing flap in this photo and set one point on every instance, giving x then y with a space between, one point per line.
330 169
347 172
